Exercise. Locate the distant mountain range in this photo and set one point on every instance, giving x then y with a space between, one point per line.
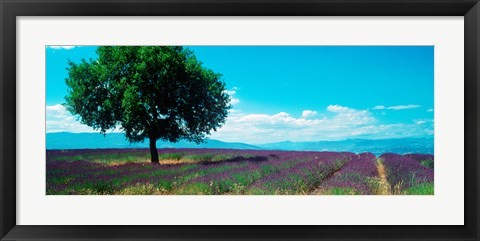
66 140
400 146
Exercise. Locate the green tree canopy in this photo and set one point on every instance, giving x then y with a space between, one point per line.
150 92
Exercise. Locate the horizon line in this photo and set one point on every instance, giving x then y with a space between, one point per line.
265 143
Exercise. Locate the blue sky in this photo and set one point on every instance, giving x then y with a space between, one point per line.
298 93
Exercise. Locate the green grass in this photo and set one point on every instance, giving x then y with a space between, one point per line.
427 163
198 157
222 157
171 156
420 189
193 165
107 158
342 191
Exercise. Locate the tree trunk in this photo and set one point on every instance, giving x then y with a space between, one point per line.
153 151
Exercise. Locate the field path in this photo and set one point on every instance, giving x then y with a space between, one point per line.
319 190
384 186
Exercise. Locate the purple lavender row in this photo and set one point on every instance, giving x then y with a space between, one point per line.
51 154
353 178
74 152
426 160
242 177
302 177
57 169
177 179
420 157
404 172
79 173
207 170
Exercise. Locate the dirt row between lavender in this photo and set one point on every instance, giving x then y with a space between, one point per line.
383 184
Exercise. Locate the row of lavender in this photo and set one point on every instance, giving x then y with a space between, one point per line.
87 176
298 175
227 172
245 172
359 177
408 171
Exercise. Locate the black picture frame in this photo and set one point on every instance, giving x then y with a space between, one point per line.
10 9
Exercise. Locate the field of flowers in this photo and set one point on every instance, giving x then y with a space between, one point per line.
409 174
233 172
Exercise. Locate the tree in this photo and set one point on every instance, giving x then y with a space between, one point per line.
150 92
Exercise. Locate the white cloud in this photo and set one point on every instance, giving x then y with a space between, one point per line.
345 123
263 128
430 110
56 111
231 93
308 113
58 119
424 121
57 107
234 111
346 115
429 131
66 126
234 101
61 47
396 107
337 108
403 107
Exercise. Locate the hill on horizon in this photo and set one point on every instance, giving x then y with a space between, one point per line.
67 140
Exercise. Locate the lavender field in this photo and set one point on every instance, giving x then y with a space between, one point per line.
236 172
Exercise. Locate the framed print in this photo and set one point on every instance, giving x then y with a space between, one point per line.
239 120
